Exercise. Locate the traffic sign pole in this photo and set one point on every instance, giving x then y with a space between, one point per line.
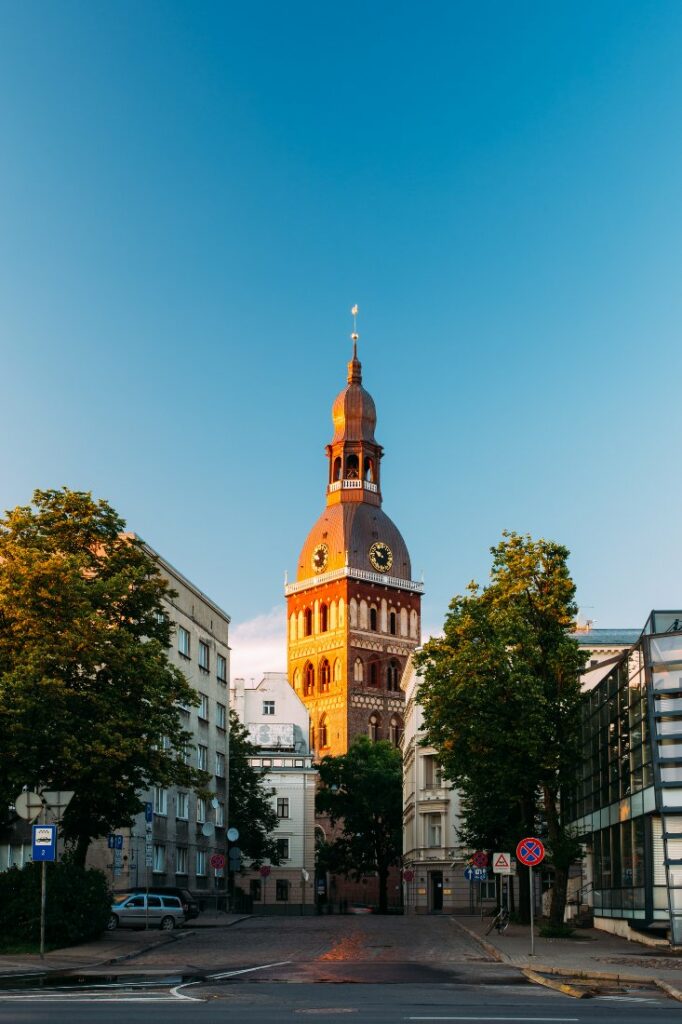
530 889
531 852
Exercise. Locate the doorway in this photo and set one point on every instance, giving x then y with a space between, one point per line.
436 894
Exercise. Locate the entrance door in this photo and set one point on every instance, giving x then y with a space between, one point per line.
436 891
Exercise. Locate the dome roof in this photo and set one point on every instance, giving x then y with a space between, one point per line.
353 412
353 528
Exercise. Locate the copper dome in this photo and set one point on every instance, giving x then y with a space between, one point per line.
353 413
351 529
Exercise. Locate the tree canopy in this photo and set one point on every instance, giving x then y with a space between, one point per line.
249 805
89 700
500 692
362 790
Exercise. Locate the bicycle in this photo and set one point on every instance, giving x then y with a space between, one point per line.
500 921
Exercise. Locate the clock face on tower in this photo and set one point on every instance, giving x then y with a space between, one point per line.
320 557
381 556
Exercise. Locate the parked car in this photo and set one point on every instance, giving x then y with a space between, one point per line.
134 910
189 904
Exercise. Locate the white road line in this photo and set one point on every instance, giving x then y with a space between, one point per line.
191 999
248 970
532 1019
53 997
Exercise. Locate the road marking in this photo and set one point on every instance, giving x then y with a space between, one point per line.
51 997
191 999
498 1018
247 970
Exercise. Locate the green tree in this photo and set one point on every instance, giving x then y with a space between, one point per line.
501 697
362 790
249 805
89 700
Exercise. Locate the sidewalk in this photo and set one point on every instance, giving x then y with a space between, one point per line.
591 952
112 948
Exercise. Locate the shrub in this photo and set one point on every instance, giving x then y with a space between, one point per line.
77 908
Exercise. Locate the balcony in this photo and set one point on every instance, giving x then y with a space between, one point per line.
352 485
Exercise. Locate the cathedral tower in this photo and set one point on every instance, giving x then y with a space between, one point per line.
354 612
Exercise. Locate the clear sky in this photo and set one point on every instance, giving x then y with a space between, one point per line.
193 195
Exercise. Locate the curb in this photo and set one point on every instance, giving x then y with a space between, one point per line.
488 947
565 972
558 986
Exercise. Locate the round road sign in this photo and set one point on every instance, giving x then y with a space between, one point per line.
408 874
530 852
265 871
480 859
217 861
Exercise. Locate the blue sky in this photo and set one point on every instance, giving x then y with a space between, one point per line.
192 196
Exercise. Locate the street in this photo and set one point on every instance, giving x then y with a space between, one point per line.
369 969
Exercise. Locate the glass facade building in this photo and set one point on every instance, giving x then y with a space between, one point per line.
628 802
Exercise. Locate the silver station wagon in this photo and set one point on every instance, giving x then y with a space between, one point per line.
133 912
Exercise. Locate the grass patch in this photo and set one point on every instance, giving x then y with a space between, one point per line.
556 931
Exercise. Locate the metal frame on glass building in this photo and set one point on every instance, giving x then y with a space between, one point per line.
628 805
629 802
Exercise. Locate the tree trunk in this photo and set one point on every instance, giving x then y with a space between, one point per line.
383 890
555 837
80 850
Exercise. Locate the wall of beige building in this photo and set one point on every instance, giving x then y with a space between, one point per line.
279 727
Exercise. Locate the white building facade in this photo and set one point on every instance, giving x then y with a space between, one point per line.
279 727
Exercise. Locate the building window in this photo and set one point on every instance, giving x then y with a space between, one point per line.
219 765
201 810
268 707
392 676
221 668
432 773
159 858
323 733
373 729
307 622
182 806
204 656
282 806
395 731
282 890
181 860
183 642
203 707
201 862
373 674
187 754
358 672
220 716
160 801
202 758
220 814
373 618
392 620
309 685
433 830
488 890
283 849
324 618
255 890
325 675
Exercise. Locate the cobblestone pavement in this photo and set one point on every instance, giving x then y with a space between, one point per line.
342 939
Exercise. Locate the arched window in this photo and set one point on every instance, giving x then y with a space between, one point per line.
324 616
312 738
372 618
393 676
337 670
358 671
373 727
395 730
325 675
336 475
352 467
308 680
369 469
373 673
322 732
307 622
352 612
392 622
332 615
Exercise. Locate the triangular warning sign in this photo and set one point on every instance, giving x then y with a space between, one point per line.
501 860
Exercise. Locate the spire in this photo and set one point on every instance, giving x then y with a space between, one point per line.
355 366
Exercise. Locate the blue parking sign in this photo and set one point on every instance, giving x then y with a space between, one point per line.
44 842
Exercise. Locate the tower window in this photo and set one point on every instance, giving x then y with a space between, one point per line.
369 469
358 671
396 731
352 467
309 680
372 618
373 674
323 732
325 675
307 622
336 475
373 727
324 616
392 676
392 622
